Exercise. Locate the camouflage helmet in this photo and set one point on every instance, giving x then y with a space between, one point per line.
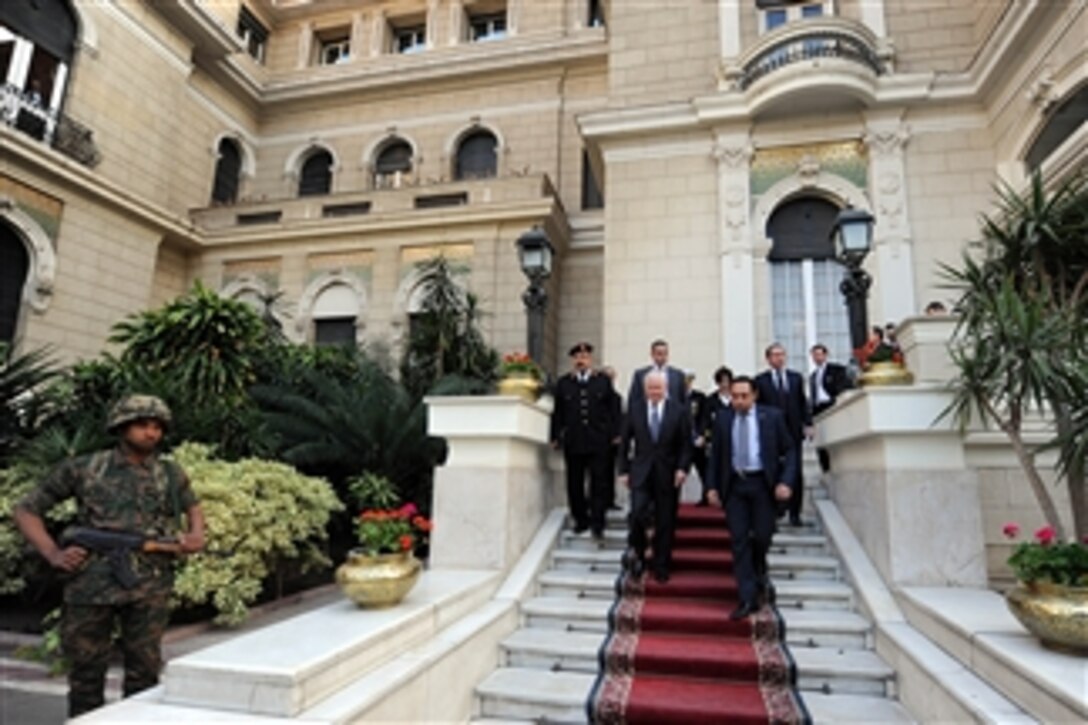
138 407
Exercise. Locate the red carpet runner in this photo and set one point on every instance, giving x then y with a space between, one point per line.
673 656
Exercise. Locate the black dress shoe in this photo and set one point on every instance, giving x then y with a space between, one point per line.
746 609
661 577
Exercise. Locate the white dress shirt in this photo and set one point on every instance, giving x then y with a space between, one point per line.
755 458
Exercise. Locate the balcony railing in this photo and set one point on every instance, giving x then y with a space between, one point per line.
816 39
26 113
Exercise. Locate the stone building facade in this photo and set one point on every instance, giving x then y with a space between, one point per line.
322 148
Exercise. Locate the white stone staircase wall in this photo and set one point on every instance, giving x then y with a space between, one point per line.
548 666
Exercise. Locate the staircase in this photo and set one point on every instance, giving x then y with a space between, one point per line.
549 665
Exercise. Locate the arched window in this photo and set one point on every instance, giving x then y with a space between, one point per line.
806 304
477 156
228 169
335 313
1062 123
315 178
393 165
14 265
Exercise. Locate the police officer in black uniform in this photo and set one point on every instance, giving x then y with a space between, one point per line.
584 424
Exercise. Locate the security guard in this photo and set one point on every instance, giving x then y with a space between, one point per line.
127 488
584 425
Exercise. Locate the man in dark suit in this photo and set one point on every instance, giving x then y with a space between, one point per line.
659 354
584 424
785 389
754 460
824 385
655 456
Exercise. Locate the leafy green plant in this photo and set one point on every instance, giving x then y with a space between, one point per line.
260 515
520 362
444 337
1047 559
207 343
1023 316
48 650
18 562
370 490
22 376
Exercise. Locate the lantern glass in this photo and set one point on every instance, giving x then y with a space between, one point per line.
853 233
535 253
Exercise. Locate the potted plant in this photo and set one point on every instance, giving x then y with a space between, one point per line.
521 376
882 362
1051 600
383 568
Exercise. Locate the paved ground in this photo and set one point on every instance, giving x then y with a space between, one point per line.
29 696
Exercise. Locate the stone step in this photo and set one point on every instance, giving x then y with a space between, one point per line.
804 627
821 669
530 694
783 566
812 594
867 709
615 539
842 671
535 695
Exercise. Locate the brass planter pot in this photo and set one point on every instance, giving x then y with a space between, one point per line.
1056 614
522 385
378 581
886 373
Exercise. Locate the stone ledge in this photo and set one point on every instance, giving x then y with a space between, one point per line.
975 626
291 666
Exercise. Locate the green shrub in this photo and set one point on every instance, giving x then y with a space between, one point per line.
260 516
16 556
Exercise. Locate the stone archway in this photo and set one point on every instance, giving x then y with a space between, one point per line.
42 262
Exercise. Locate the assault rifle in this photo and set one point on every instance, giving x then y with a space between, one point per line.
116 545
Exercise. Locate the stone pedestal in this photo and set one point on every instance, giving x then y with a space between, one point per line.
901 481
924 341
496 486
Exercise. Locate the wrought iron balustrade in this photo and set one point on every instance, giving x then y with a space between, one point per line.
25 112
813 45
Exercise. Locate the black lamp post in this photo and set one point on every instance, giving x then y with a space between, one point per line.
535 254
853 236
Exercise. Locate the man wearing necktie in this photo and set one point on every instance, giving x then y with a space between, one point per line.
655 456
784 389
585 424
674 378
753 460
825 383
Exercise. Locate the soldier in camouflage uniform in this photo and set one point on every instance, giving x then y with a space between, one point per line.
128 488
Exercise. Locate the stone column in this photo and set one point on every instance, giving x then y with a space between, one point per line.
738 289
358 37
872 14
496 486
305 44
894 297
379 29
729 28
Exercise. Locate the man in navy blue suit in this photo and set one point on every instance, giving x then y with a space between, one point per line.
674 377
785 389
753 463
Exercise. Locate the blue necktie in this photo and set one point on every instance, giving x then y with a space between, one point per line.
743 452
655 423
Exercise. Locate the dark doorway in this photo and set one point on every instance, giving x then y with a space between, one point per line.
228 171
14 263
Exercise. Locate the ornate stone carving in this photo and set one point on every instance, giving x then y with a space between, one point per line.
733 155
735 215
1041 92
887 141
808 168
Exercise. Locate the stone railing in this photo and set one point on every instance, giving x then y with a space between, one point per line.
810 40
26 113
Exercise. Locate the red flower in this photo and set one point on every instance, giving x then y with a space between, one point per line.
1045 535
406 542
1011 530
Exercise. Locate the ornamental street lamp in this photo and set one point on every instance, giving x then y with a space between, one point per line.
853 236
535 254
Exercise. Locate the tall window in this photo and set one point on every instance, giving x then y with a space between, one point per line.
228 169
316 175
596 14
591 189
394 165
14 265
253 33
410 39
776 13
335 314
806 304
477 156
37 43
334 47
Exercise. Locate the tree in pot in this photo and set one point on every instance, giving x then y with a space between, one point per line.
1023 318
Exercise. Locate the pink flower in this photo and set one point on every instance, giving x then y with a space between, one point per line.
408 509
1045 535
1011 530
